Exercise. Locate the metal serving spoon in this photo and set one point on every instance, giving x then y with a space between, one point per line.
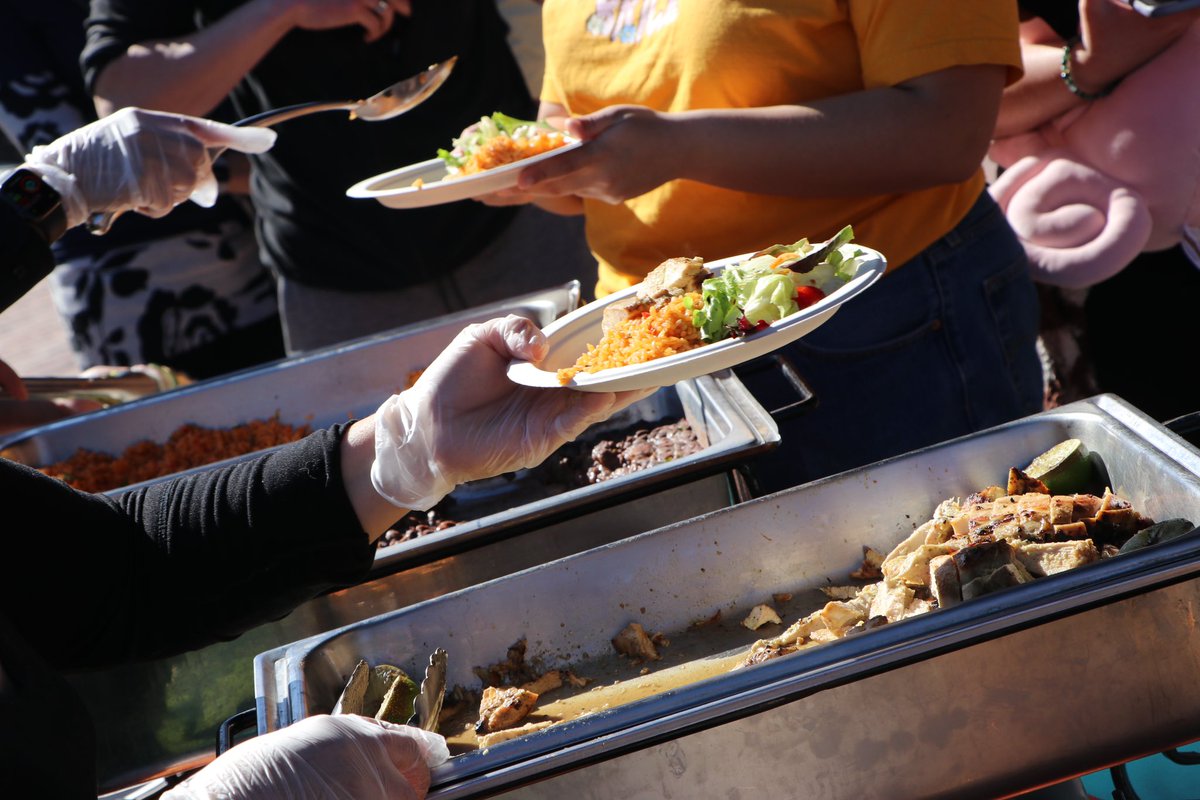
391 102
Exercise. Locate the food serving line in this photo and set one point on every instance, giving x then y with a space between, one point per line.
999 695
510 523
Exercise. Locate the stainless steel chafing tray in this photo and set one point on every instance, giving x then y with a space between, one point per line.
996 696
160 717
319 389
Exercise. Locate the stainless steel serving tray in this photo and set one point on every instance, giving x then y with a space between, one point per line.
999 695
140 740
318 389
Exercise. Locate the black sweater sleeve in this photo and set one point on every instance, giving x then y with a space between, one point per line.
25 257
177 565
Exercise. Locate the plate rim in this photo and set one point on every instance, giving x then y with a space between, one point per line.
518 368
360 191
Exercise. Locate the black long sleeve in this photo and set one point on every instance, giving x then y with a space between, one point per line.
180 564
25 257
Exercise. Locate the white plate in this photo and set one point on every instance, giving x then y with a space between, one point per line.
395 189
570 335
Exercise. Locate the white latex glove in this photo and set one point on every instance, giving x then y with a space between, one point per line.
464 419
140 160
343 757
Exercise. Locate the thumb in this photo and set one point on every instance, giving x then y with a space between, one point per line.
218 134
592 125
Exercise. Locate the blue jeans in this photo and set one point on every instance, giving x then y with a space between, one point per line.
943 346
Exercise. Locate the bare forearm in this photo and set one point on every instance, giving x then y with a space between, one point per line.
193 74
1040 96
374 513
927 132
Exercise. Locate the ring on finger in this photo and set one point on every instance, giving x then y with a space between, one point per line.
381 7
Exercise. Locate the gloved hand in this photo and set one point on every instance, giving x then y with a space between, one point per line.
141 160
343 757
464 419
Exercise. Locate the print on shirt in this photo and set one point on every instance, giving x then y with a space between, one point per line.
631 21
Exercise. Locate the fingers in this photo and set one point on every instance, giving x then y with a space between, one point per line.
592 125
547 175
376 17
218 134
514 337
12 384
505 197
414 752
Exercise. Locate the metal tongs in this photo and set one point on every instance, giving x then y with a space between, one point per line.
428 706
391 102
116 388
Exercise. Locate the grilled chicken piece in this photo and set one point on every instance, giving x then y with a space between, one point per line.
869 569
943 581
761 614
891 601
547 682
671 278
913 568
1002 578
1020 483
765 651
633 642
1043 559
503 708
496 737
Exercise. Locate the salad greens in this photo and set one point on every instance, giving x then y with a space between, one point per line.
761 290
488 128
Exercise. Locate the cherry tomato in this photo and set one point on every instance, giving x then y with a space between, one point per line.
807 295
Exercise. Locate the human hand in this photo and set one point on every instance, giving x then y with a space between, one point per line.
18 411
374 16
464 419
1115 40
330 757
141 160
11 383
630 150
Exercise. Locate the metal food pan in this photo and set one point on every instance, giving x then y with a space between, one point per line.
1016 689
318 389
351 380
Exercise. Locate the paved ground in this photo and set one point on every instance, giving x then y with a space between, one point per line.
33 340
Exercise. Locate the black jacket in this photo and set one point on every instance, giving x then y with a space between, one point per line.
90 581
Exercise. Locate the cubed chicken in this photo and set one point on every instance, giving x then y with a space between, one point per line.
633 642
760 615
913 569
504 707
671 278
890 602
1047 558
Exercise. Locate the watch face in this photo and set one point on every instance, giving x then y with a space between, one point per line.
27 191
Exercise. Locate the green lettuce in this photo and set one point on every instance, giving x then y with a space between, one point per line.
747 294
488 128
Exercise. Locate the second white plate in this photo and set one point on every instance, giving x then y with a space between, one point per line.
395 189
570 336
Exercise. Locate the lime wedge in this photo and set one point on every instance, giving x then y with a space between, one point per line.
1064 468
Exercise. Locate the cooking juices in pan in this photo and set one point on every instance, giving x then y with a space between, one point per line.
991 540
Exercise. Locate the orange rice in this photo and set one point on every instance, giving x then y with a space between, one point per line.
501 150
188 446
663 330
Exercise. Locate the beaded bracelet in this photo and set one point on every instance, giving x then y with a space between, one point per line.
1069 80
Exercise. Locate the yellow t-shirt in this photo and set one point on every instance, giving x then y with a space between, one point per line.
677 55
